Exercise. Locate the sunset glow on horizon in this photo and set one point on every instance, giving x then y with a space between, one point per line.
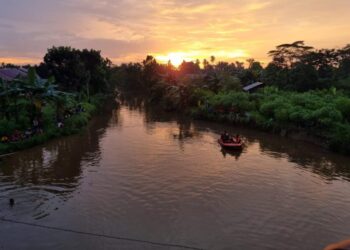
175 30
176 58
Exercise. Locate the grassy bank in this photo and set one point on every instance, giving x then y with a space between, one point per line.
323 114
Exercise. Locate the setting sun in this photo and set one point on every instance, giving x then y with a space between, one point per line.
176 58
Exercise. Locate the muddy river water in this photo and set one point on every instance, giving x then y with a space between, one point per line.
137 172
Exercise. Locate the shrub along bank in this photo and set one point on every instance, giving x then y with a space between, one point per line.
323 114
20 135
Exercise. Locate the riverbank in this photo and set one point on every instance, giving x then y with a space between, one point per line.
53 99
319 117
295 94
51 128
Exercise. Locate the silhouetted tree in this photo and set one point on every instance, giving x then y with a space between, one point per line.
303 77
285 55
189 68
76 70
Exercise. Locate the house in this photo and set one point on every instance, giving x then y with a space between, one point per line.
252 87
9 74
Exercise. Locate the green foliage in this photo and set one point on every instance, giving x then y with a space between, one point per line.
319 113
303 77
49 115
340 138
33 98
343 105
201 96
230 83
77 70
73 124
7 126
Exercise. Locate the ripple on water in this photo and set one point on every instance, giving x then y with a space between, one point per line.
169 181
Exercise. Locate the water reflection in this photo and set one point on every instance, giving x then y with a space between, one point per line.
305 155
234 153
51 172
140 172
318 160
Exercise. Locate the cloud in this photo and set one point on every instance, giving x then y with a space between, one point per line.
127 30
257 6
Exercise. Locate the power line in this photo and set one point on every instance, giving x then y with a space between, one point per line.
101 235
5 155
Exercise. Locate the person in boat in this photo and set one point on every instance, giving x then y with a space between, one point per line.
225 137
237 139
228 137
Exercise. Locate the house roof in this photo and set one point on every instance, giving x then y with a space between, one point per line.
9 74
252 86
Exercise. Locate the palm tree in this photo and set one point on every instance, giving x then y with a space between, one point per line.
39 90
212 59
9 93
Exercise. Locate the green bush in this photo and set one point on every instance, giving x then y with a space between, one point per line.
89 108
7 126
319 112
343 105
73 124
49 116
340 138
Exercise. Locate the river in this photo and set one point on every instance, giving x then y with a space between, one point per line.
139 173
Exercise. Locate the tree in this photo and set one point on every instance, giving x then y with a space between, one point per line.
324 61
32 90
303 77
254 70
206 64
128 76
212 82
275 75
229 82
76 70
212 59
344 62
189 68
286 55
151 72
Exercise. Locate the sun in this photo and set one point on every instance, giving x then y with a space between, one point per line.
176 58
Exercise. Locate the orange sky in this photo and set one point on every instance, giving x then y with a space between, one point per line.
128 30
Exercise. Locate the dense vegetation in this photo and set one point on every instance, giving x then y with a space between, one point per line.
56 98
306 90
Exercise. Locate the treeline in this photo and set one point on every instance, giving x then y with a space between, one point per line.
54 98
295 67
299 67
306 91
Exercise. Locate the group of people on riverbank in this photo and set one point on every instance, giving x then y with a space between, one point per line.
16 136
37 127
